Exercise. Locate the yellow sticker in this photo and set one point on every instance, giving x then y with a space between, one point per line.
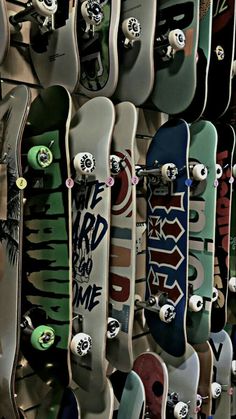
21 183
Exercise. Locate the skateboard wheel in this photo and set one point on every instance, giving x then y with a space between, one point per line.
81 344
177 39
113 328
216 390
169 172
219 171
232 284
181 410
45 7
167 313
92 12
234 170
115 164
195 303
199 172
199 402
215 294
233 367
39 157
131 29
84 163
42 337
234 69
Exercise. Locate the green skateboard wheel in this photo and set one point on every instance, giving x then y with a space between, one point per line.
39 157
42 337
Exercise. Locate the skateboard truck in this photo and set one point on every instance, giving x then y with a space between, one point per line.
170 43
167 171
158 305
180 409
40 12
200 401
41 337
92 13
131 29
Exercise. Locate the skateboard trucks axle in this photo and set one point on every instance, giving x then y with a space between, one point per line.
38 11
158 305
167 171
167 45
180 409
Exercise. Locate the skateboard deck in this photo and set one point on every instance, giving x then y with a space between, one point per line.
132 404
222 54
202 229
183 373
153 372
13 115
51 52
98 49
197 106
91 229
123 238
5 33
167 235
134 83
225 148
46 268
222 361
205 357
231 306
178 73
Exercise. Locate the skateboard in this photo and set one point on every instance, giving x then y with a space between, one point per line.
202 159
122 236
5 33
167 236
13 115
225 149
97 27
183 373
221 60
90 152
148 123
231 306
175 53
53 40
46 269
132 403
197 106
222 363
154 375
135 47
204 398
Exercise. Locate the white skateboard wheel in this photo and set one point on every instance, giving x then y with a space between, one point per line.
92 12
232 284
84 163
81 344
131 29
169 172
234 170
181 410
234 69
167 313
177 39
115 164
199 172
199 401
216 390
113 328
45 7
219 171
195 303
215 294
233 367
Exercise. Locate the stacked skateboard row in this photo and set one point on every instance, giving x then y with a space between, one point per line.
117 246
